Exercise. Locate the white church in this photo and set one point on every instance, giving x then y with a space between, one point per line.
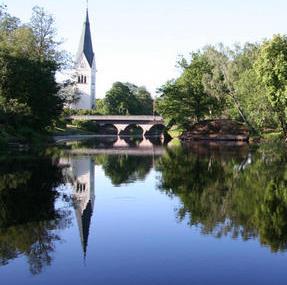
85 70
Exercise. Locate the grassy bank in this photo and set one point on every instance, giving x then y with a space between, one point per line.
22 137
175 132
275 136
70 130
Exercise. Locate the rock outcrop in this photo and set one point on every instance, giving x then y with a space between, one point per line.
217 130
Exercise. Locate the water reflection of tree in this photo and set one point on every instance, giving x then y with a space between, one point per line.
224 193
125 168
28 217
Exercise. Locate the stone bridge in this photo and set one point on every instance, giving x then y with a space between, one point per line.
122 123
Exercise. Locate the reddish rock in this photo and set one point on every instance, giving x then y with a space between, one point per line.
217 130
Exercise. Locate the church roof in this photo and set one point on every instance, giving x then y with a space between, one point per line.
86 45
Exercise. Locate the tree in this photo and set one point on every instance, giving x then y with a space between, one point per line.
128 99
119 100
143 100
36 87
218 81
227 66
29 60
170 106
44 30
185 100
271 67
101 106
9 23
252 96
69 92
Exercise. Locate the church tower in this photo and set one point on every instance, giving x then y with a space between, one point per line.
85 69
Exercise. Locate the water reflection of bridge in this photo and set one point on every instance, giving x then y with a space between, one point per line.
157 151
133 146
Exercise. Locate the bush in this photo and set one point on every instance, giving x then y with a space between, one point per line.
86 125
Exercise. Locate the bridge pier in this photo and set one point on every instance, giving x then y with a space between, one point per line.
145 129
120 127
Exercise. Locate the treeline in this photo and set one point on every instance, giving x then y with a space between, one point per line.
243 83
29 59
126 99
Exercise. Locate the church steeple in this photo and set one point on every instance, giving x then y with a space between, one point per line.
86 45
85 70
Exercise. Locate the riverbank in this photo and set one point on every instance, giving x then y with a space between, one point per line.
231 133
23 137
27 137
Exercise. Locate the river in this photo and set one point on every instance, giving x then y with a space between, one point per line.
130 212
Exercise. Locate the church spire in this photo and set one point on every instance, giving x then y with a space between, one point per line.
84 222
86 46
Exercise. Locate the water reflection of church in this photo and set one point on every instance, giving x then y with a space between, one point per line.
81 175
121 163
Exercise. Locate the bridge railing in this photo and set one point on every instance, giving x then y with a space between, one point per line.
110 118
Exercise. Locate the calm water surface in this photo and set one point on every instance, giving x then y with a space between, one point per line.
200 214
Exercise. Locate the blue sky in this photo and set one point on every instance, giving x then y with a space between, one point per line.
139 41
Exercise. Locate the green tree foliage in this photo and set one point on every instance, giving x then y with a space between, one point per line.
252 97
127 99
234 82
185 100
220 82
36 88
119 100
227 67
239 192
143 100
101 106
29 59
43 26
271 66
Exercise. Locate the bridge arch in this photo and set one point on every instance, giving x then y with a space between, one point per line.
133 129
155 130
108 129
147 123
133 141
146 129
